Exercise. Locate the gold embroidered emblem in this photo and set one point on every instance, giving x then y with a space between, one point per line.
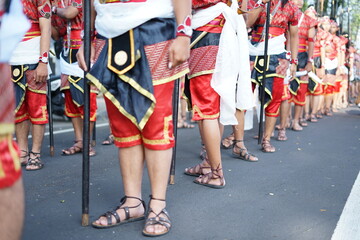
16 72
261 62
102 1
121 58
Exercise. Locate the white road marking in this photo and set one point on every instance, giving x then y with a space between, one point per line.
70 130
348 226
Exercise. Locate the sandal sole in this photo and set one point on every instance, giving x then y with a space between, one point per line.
117 224
35 169
146 234
238 156
209 185
192 174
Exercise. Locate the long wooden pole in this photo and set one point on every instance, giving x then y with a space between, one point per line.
263 81
175 122
86 123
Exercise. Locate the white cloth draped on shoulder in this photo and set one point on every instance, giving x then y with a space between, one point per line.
13 27
114 19
232 68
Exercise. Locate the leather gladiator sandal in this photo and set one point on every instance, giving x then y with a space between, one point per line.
161 218
267 147
34 162
24 156
243 154
197 170
110 214
206 178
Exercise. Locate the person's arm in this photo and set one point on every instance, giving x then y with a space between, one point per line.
253 15
311 37
45 29
80 54
179 50
68 12
294 45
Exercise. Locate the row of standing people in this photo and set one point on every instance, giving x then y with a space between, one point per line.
134 64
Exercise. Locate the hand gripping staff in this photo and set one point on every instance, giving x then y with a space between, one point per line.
262 86
86 125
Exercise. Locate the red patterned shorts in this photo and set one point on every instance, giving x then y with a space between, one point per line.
300 97
158 131
10 169
33 108
205 101
74 111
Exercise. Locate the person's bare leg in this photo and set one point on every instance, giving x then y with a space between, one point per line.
38 131
269 128
12 211
296 121
78 126
211 138
315 105
328 103
22 130
284 114
239 135
308 106
284 120
131 166
158 165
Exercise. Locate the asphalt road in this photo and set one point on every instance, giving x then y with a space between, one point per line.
297 193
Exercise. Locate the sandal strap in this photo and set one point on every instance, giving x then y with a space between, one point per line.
126 209
158 199
109 215
34 153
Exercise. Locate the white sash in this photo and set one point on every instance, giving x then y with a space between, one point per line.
27 52
232 61
70 69
115 19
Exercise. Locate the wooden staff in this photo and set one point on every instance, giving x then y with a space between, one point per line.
86 123
262 86
49 107
175 122
349 39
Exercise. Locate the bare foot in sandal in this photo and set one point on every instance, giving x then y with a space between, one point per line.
282 135
130 209
34 162
240 151
200 169
158 220
109 140
227 142
213 179
76 148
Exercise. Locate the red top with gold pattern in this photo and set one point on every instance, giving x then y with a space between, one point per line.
31 11
321 36
76 23
280 21
306 23
332 46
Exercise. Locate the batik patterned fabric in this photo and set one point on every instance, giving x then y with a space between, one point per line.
321 37
196 4
31 9
306 24
332 45
7 100
10 170
279 24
